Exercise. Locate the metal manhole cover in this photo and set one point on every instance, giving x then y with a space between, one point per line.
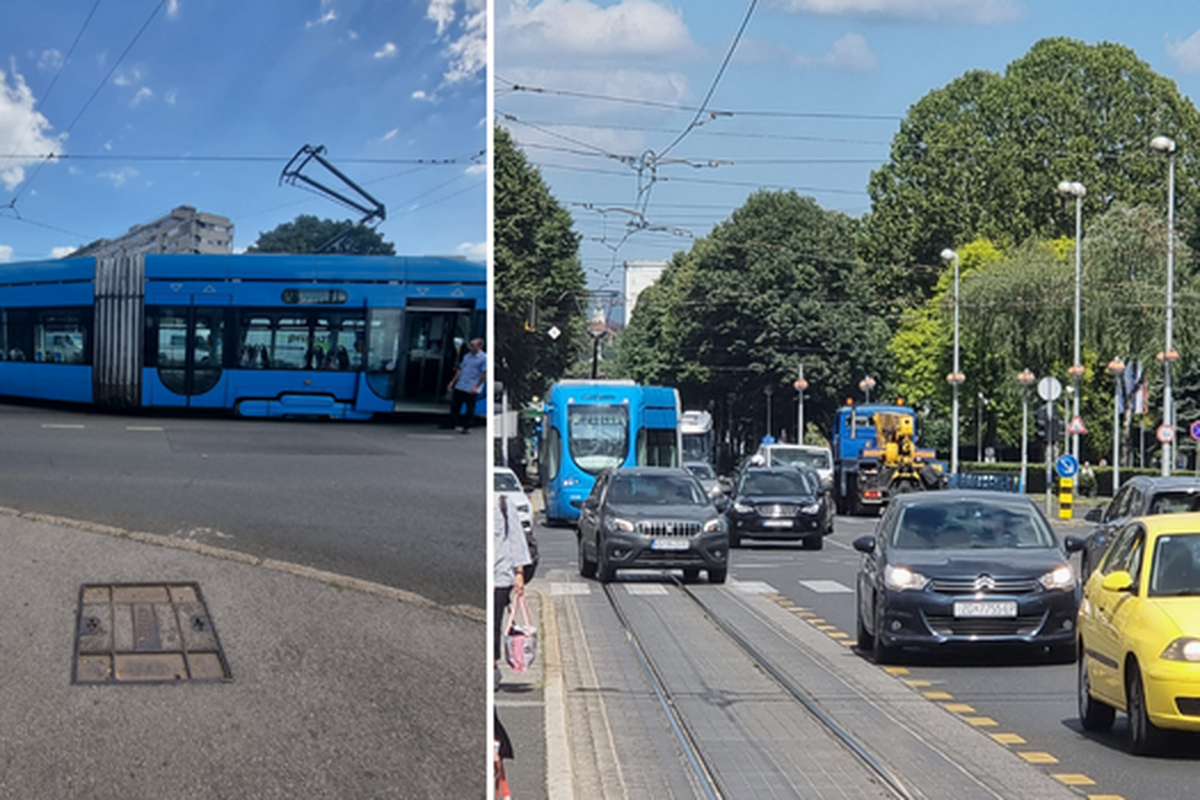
141 633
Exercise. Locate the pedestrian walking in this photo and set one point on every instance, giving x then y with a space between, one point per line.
511 554
466 384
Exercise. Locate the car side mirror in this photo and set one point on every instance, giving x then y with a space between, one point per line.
721 503
1119 581
865 544
1094 515
1074 544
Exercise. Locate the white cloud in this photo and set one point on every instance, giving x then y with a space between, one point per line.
170 97
128 77
851 53
62 252
476 169
21 125
390 134
352 34
1185 54
420 94
119 177
583 28
143 94
441 12
468 53
979 12
50 60
74 170
108 145
6 252
172 9
326 18
387 51
476 251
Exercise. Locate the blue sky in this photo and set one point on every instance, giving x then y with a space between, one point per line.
861 62
382 84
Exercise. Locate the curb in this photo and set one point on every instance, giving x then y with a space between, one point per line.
333 579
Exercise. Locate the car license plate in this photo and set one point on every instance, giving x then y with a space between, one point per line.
985 608
669 544
777 523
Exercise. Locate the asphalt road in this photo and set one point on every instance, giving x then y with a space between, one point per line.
397 502
1023 694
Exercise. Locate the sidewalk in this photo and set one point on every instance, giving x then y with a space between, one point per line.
340 689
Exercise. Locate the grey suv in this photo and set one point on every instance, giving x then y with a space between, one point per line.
1140 496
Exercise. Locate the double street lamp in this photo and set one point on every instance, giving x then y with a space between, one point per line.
1116 368
1077 190
800 385
955 378
1166 146
866 385
1026 379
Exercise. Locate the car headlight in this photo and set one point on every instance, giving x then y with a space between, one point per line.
714 525
901 578
743 508
618 524
1182 650
523 508
811 509
1061 578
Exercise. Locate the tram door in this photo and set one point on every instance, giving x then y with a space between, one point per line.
191 352
433 340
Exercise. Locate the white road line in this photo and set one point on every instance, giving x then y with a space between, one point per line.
645 588
752 587
442 437
827 587
560 589
62 427
143 428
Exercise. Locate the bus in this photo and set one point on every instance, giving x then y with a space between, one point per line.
593 425
343 337
696 429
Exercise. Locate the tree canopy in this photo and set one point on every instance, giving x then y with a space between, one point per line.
538 277
306 233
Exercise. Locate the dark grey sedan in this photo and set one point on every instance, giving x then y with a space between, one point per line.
962 569
651 517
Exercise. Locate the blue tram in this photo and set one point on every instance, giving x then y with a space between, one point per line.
345 337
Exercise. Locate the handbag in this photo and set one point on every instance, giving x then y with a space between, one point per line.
520 641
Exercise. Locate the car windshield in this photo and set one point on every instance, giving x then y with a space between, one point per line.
656 490
761 484
1179 502
1176 567
702 471
505 482
971 525
817 459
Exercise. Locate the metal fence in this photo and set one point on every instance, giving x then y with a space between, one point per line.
983 480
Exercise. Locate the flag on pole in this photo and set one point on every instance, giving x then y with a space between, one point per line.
1141 399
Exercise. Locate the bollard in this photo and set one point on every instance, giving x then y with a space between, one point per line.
1066 497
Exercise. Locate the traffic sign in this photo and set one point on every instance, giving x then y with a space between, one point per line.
1067 466
1076 425
1049 389
1165 433
1196 430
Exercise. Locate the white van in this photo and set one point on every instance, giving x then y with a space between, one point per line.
806 455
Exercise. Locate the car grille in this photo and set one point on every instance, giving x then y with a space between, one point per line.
984 584
659 527
953 626
1188 706
776 510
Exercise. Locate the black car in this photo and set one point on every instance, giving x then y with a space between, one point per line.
651 517
963 568
1140 496
780 503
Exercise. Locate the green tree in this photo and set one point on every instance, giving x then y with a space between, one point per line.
306 233
775 286
982 157
538 278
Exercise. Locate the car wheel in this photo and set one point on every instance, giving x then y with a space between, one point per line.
814 542
1093 714
735 540
1145 737
880 652
605 571
717 575
691 573
865 641
587 567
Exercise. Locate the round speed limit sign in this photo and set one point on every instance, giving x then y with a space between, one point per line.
1165 434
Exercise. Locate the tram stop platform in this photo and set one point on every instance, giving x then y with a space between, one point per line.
585 723
137 666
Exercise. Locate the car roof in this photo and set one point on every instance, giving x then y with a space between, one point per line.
779 468
504 470
1170 524
952 496
1159 483
650 471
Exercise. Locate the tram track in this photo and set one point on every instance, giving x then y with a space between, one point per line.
706 778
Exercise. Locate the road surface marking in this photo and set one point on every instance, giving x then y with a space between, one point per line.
938 695
57 426
840 635
959 708
143 427
1038 757
982 722
645 588
753 587
827 587
916 684
560 589
896 670
1008 738
1074 779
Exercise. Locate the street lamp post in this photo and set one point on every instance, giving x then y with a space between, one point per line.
1026 379
866 385
768 390
1166 146
1116 367
800 385
982 404
955 378
1077 190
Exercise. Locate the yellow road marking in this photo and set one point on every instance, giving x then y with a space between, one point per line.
839 635
981 722
938 695
827 627
846 642
1105 797
804 613
1038 758
1008 738
896 670
1074 779
916 684
817 621
959 708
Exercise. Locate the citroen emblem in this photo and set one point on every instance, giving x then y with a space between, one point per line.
984 582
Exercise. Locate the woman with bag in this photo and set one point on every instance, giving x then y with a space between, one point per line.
511 554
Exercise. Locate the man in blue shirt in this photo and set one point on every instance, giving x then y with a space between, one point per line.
465 385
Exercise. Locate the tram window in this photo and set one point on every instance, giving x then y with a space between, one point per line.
291 346
59 337
16 334
172 339
384 346
210 338
255 352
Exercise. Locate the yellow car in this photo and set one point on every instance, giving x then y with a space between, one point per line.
1139 631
